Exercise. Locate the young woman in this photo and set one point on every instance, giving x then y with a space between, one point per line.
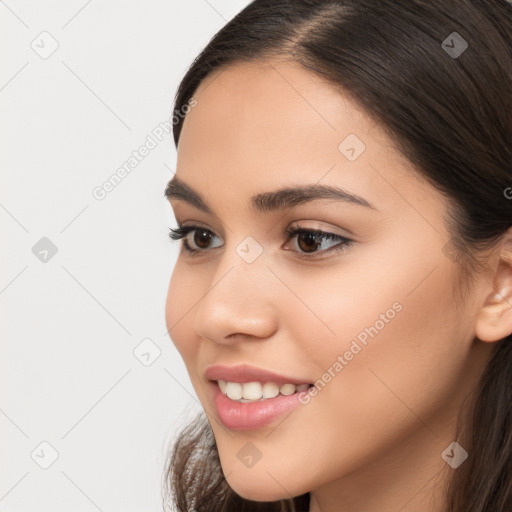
342 298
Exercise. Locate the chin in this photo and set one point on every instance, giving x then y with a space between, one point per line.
260 486
260 492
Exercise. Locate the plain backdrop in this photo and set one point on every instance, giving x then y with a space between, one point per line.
92 389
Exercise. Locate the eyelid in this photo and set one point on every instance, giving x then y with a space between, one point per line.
290 233
295 226
345 233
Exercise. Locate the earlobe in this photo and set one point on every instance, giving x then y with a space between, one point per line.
494 320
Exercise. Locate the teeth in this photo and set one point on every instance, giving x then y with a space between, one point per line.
287 389
254 391
234 390
270 390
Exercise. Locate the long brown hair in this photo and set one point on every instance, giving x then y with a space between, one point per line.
448 108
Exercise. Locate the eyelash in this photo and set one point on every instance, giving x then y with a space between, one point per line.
182 231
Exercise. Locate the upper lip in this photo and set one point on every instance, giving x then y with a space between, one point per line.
247 373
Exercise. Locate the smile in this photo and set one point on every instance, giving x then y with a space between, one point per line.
257 391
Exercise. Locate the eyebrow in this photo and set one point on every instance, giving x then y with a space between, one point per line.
283 198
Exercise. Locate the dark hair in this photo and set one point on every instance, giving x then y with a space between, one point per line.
450 114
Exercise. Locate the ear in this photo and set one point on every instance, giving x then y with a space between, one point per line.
494 320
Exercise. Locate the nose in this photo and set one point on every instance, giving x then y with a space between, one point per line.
239 303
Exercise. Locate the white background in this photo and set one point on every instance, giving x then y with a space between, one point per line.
69 376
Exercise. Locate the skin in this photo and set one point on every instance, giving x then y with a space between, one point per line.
372 438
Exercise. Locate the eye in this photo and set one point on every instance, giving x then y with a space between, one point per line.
201 237
308 240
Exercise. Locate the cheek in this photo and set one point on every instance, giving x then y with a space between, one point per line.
396 356
385 352
181 295
396 314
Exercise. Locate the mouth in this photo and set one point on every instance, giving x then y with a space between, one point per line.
267 402
248 397
255 391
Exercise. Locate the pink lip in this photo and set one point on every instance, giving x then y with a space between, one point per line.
252 415
246 373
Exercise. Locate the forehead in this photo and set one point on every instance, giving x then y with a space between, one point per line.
277 100
276 123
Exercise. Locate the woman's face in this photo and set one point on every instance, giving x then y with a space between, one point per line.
379 317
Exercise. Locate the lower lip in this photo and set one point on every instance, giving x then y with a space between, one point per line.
252 415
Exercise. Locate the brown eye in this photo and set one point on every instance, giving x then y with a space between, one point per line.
199 237
202 238
307 241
